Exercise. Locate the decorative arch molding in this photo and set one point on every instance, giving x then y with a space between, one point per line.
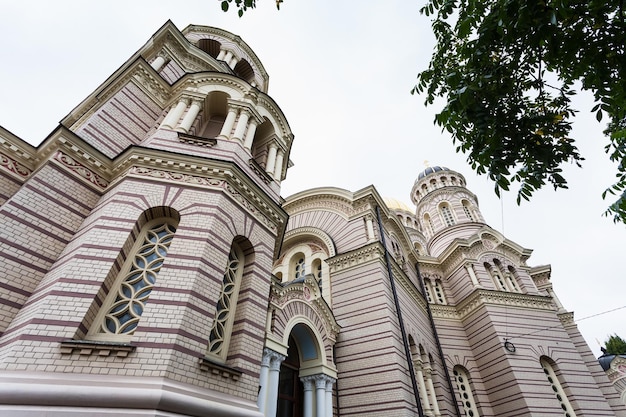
301 302
301 233
336 200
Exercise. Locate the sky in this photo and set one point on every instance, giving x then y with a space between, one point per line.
341 72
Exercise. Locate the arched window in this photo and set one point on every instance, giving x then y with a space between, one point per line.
441 299
556 387
468 210
219 337
446 213
496 276
427 285
298 266
461 377
429 224
210 46
120 313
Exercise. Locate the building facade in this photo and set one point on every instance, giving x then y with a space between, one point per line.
151 267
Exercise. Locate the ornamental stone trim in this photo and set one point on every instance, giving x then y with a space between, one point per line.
14 167
197 140
86 174
216 183
366 254
88 347
482 297
319 234
218 369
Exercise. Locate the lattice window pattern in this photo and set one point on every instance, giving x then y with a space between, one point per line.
225 308
125 312
465 392
447 215
557 388
468 212
300 270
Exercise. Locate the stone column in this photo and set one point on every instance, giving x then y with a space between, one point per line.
242 123
271 159
369 224
278 169
220 56
272 382
422 386
228 123
320 395
265 365
191 115
226 58
158 63
307 406
172 118
431 390
233 62
472 274
329 396
250 135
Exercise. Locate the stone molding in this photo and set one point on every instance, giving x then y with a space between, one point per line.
197 140
88 347
267 217
57 394
481 297
83 172
364 255
319 234
218 369
14 167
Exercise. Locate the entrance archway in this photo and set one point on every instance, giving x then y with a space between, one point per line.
290 388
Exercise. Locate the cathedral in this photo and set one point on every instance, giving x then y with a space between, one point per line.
151 267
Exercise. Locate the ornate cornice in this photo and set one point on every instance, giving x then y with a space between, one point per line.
263 213
365 254
481 297
566 318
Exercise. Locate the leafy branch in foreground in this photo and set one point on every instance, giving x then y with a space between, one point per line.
243 5
507 70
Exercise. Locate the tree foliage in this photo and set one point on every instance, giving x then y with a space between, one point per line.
615 345
507 70
243 5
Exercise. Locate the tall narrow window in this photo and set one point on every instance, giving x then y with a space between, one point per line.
557 389
428 294
441 299
465 391
446 213
299 270
468 211
119 316
496 277
429 223
225 308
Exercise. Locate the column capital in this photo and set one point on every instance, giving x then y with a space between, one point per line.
307 381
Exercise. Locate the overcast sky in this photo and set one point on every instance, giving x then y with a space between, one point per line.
341 72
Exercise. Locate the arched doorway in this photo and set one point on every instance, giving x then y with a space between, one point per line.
290 388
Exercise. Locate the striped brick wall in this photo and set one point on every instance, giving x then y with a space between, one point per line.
38 222
372 369
122 121
347 235
172 72
173 330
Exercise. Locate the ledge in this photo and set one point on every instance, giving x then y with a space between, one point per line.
258 169
215 368
89 347
197 140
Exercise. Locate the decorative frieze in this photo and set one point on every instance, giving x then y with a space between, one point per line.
72 165
365 254
88 347
14 166
482 297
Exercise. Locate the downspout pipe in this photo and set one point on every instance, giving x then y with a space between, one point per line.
438 343
405 340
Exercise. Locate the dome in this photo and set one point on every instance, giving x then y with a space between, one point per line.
431 170
398 205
